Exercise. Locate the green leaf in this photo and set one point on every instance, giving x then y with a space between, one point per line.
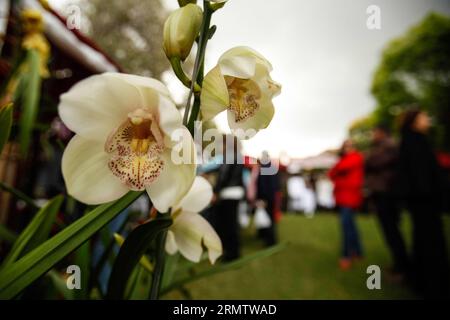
144 261
23 272
82 259
19 194
225 267
36 232
31 96
61 285
130 252
170 269
139 284
7 235
6 117
13 74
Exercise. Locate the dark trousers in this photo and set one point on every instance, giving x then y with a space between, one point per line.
351 244
388 212
268 235
227 227
430 261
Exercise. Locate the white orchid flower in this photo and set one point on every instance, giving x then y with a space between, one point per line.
190 231
123 124
240 84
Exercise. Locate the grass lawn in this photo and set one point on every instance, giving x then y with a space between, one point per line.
307 267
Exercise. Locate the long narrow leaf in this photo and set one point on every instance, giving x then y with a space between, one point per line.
6 117
138 288
36 232
7 235
144 261
60 285
21 56
170 269
36 263
82 259
130 252
19 194
31 96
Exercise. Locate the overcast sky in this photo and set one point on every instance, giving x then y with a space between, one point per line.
322 54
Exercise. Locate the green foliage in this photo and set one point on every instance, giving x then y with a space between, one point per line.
19 194
360 132
7 235
36 232
23 272
83 259
131 32
30 93
6 117
60 285
415 68
131 252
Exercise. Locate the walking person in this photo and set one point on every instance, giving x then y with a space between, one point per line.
422 187
229 191
381 168
347 176
268 196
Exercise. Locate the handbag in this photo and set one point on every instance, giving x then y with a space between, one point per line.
262 219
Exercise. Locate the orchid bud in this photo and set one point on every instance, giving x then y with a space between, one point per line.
180 30
182 3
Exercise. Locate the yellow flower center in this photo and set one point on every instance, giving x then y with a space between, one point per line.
244 97
135 148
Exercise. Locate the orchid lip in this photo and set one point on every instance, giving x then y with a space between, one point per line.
135 148
244 95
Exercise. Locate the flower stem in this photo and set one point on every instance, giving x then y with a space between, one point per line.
194 114
159 261
199 59
175 62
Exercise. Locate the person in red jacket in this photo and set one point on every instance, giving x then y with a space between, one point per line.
348 176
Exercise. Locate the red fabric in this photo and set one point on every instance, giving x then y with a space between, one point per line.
444 159
348 177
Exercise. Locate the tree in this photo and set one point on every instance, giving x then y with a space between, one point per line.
360 132
415 68
131 32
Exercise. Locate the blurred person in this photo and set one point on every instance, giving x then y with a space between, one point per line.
422 188
444 162
325 199
229 191
310 205
380 175
347 176
295 187
268 196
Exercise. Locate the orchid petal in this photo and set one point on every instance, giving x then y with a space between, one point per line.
191 230
242 67
171 245
94 107
175 179
260 120
214 96
198 197
243 51
86 172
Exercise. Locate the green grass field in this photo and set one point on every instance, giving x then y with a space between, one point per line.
307 268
